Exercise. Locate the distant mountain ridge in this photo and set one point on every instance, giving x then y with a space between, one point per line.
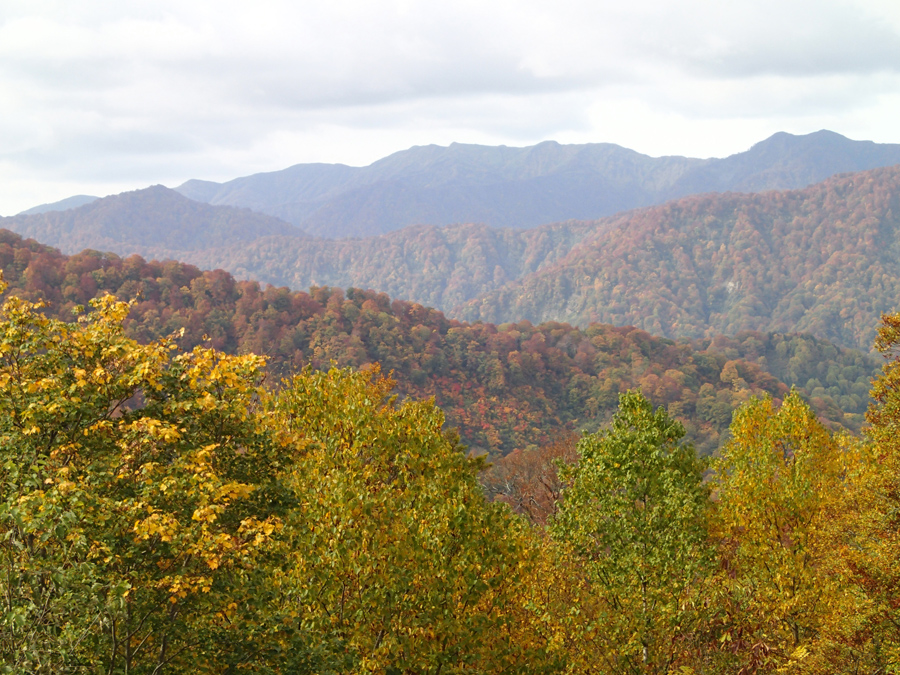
525 187
72 202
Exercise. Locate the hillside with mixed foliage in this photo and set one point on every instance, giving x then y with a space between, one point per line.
525 187
503 387
824 260
439 267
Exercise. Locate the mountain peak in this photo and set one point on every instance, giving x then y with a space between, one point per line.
154 221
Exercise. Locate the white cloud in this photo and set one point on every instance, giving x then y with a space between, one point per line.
99 96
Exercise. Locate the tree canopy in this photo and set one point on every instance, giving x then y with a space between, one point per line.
165 510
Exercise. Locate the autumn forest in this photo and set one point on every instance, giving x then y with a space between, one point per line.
201 473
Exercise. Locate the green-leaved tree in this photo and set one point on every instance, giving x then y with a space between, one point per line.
634 515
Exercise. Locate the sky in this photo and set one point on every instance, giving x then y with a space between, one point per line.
98 97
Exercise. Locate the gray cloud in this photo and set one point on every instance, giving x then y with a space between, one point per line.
793 39
97 95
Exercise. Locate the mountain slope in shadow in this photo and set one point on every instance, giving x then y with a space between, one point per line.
525 187
155 221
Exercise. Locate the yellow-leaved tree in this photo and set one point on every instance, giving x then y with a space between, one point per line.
161 513
394 561
134 496
778 486
870 634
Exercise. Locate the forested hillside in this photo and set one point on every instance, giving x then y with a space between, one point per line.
823 260
439 267
506 386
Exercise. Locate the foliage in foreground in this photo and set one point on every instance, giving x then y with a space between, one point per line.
635 514
137 495
801 527
162 512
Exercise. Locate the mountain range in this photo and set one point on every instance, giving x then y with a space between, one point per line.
518 187
822 259
525 187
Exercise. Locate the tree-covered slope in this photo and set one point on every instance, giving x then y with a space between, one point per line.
436 266
506 386
823 260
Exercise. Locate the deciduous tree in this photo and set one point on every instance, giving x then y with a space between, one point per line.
778 486
635 514
135 494
395 561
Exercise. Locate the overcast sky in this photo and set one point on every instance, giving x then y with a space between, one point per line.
98 97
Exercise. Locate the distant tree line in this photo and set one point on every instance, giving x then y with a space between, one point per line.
503 387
